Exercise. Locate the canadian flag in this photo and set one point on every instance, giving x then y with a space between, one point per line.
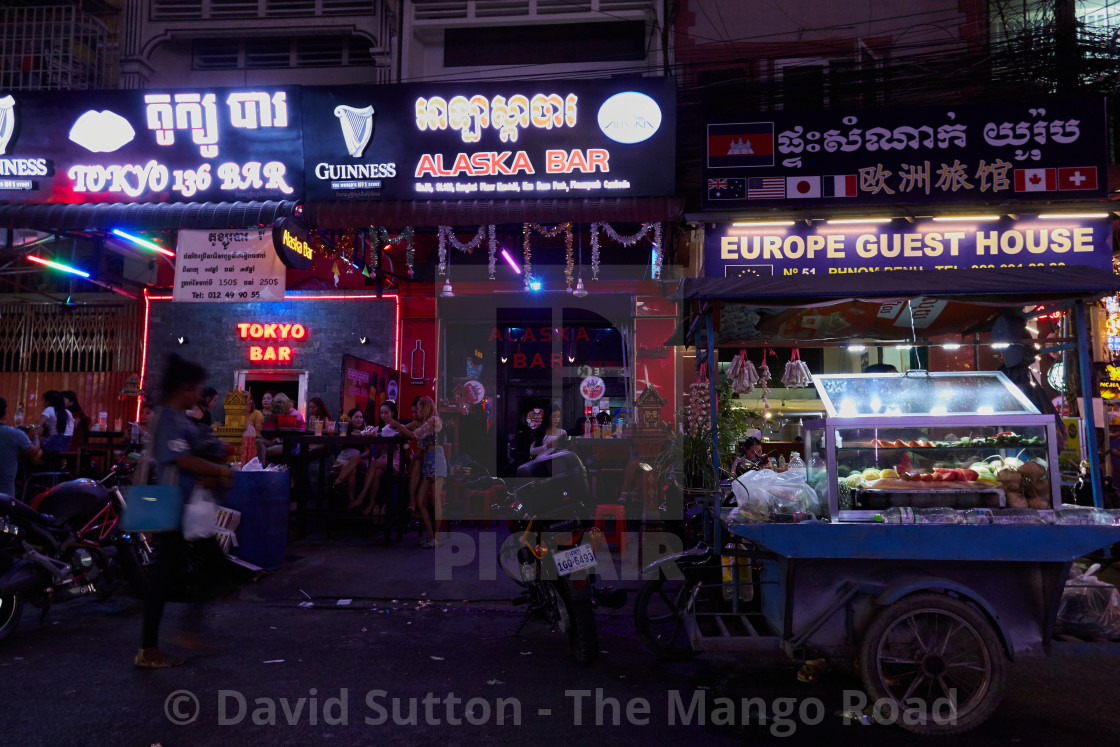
1036 180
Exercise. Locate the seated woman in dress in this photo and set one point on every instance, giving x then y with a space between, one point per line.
387 412
549 437
350 460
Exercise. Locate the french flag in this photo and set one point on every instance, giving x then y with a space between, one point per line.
843 185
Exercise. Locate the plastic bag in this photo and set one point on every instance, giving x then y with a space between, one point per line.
200 515
762 493
253 465
1090 608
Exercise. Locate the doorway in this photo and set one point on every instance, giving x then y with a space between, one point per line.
258 381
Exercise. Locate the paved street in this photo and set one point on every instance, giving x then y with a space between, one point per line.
71 681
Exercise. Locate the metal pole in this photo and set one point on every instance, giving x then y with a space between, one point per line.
713 378
1082 335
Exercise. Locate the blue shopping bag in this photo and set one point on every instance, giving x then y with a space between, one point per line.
152 508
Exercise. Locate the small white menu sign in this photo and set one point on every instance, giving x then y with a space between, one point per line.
230 266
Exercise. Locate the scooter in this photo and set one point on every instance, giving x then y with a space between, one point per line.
553 557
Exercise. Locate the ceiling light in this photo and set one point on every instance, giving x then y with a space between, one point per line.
951 346
857 348
764 223
1072 216
956 218
839 221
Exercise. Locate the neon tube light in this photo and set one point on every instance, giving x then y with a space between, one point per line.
334 297
143 242
143 355
1072 216
58 266
964 218
764 223
507 258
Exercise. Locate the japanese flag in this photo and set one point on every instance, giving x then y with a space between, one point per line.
1036 180
803 186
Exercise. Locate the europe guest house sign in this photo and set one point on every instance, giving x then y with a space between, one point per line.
476 140
231 266
206 144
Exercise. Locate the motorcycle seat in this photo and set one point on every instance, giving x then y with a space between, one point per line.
19 510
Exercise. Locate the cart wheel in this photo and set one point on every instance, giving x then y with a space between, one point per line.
929 647
659 611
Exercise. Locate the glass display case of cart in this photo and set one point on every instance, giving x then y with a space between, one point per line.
929 440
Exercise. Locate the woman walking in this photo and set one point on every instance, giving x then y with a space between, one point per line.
425 431
186 455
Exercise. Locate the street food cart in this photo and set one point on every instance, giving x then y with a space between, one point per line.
929 612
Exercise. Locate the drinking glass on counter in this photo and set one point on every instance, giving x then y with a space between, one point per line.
330 427
318 426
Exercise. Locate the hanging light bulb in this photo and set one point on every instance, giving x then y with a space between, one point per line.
580 291
447 292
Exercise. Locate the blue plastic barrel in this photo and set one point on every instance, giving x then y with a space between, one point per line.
263 500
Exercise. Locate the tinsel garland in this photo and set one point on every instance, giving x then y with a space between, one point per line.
527 254
406 236
493 249
626 241
447 235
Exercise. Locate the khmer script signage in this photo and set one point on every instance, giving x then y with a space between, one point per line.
206 144
1041 150
486 140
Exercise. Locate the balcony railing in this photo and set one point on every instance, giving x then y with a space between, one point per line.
211 10
445 10
55 47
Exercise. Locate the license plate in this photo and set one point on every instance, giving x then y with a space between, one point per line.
577 559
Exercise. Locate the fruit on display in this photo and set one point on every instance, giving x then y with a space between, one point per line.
999 440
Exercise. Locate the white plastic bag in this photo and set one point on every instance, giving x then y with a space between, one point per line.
253 465
762 493
200 515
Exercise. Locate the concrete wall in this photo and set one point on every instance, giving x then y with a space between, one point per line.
334 328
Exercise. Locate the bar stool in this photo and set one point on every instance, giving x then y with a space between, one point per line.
605 512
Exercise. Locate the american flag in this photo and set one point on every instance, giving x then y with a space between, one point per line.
766 188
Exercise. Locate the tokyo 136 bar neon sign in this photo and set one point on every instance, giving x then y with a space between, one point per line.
269 337
193 113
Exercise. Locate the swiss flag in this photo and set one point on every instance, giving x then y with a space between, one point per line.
1081 177
1036 180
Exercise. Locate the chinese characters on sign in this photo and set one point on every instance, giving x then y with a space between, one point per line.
1051 150
228 266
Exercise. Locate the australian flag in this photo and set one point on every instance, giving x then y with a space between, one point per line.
727 189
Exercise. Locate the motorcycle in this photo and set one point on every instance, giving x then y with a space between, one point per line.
43 561
92 508
553 557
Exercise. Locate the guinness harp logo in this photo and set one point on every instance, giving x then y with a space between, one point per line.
7 122
357 127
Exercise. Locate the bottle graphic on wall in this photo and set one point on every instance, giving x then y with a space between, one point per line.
416 364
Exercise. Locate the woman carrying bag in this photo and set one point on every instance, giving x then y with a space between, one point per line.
180 454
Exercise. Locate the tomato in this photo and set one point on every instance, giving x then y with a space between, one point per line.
970 474
914 444
899 444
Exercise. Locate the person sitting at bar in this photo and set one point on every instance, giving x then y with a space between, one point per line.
81 420
387 412
549 437
351 460
57 425
317 410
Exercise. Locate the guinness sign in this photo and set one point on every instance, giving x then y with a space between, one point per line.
291 237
